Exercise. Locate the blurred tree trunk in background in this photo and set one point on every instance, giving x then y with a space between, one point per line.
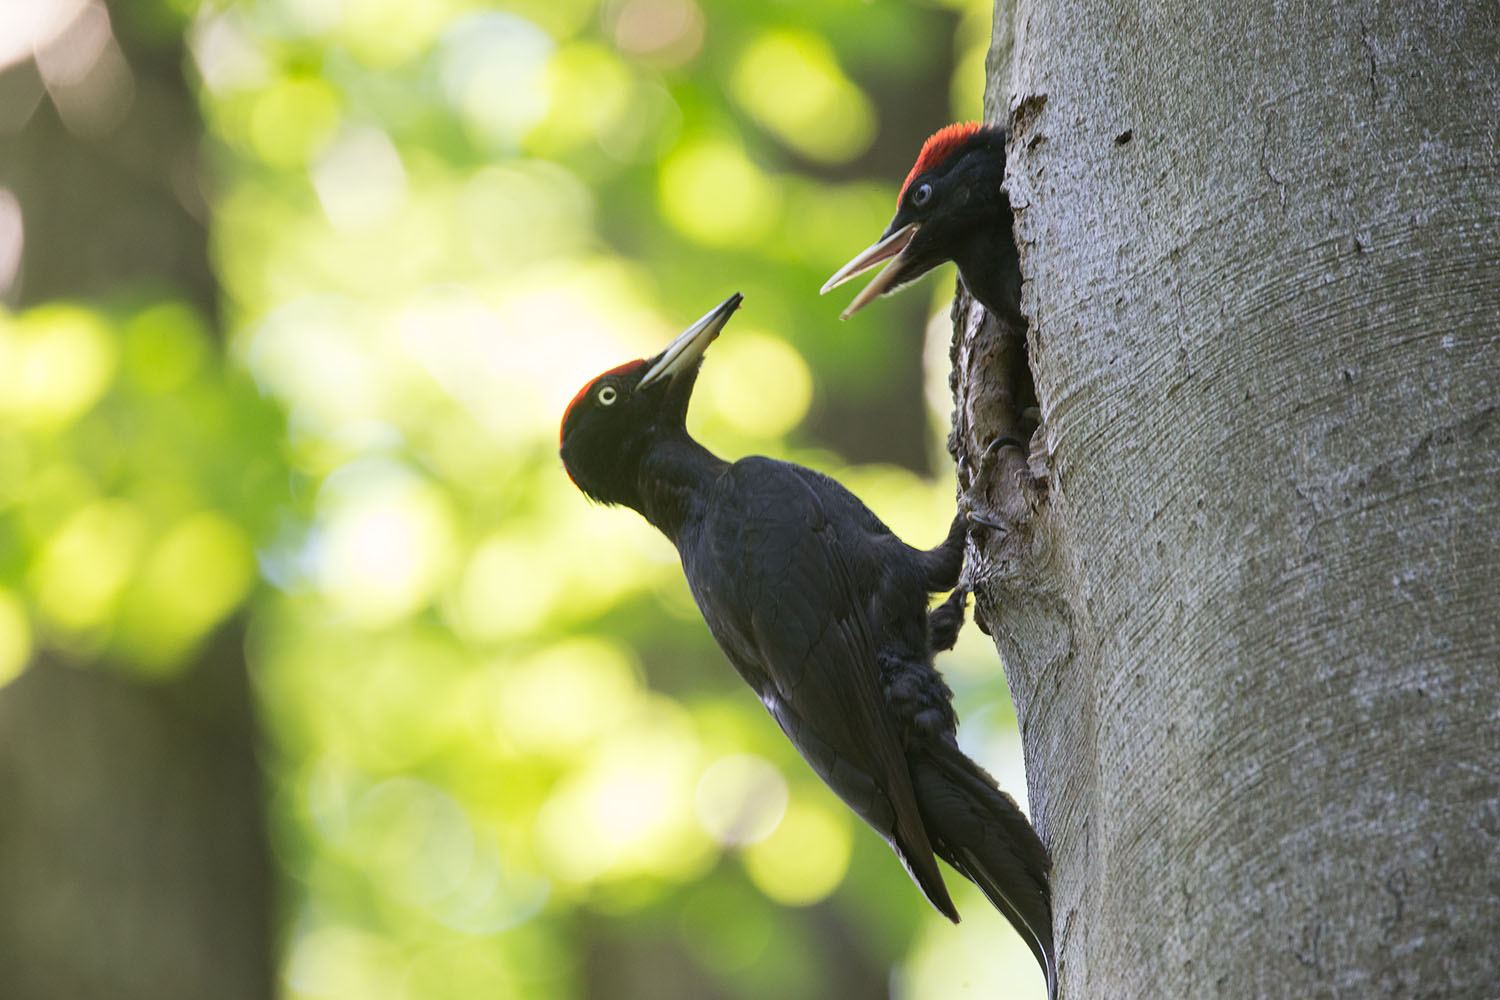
133 855
1250 621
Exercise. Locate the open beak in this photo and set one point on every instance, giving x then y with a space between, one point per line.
883 249
683 353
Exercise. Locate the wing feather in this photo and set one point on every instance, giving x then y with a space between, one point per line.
788 598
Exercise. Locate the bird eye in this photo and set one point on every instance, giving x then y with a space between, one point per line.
607 395
922 195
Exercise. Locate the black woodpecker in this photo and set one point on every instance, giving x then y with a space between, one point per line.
951 207
823 611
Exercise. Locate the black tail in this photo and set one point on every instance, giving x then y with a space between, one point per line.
983 834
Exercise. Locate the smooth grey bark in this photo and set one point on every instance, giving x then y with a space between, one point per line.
1250 612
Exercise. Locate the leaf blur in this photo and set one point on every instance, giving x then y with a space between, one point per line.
506 758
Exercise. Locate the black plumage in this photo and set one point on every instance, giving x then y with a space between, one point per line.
951 207
823 611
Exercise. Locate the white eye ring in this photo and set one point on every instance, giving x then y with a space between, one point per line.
922 195
607 395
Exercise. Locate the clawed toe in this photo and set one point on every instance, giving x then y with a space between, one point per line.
988 455
986 518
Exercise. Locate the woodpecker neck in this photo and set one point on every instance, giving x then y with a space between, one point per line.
675 475
992 272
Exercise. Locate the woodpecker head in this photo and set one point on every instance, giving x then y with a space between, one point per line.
608 426
950 204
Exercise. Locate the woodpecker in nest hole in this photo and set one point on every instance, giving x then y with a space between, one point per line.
951 207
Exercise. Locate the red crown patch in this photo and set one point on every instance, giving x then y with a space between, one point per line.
617 370
938 147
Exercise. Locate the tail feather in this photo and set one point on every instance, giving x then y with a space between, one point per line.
983 834
1038 936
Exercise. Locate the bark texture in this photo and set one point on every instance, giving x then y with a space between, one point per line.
1250 611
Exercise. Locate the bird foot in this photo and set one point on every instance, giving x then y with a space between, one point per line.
971 502
986 519
987 458
946 620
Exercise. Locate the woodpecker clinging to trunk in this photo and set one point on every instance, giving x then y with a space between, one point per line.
951 207
823 611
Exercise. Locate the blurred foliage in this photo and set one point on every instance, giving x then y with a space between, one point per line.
499 735
135 475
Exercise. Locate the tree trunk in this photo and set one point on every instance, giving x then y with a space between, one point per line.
133 855
1249 612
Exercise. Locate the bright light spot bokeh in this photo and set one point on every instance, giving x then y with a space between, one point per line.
560 700
342 963
517 216
15 637
191 578
978 959
791 82
55 362
415 837
592 95
12 238
86 564
755 383
668 32
360 179
517 580
294 120
806 856
317 355
713 193
740 799
386 33
227 58
629 810
165 347
385 544
493 70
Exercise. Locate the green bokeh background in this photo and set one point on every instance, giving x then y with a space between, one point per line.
504 758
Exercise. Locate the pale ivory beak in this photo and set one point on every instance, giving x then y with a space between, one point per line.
690 344
882 250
